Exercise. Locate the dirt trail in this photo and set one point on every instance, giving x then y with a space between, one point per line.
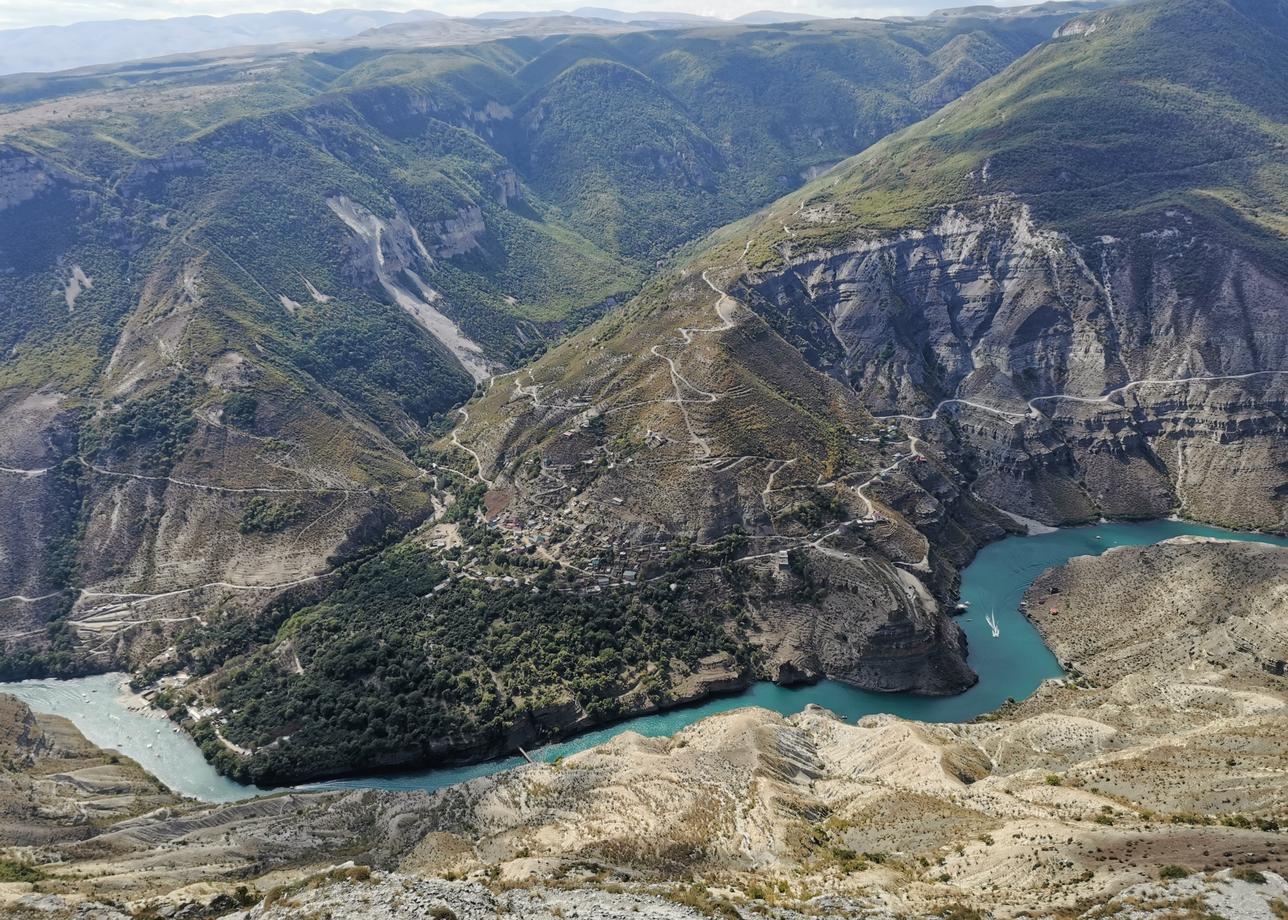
212 488
465 417
29 474
24 599
114 616
1107 397
949 402
1104 399
725 305
533 391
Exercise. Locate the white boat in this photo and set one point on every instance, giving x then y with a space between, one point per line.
991 620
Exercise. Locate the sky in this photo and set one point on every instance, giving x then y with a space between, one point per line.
19 13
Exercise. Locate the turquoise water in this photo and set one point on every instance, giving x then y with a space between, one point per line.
100 708
1011 665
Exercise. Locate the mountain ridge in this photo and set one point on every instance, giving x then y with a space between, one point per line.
808 424
259 283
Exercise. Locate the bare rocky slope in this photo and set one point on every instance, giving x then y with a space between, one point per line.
1161 750
56 787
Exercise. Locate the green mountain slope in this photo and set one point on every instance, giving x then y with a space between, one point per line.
813 423
624 159
240 295
1125 113
707 125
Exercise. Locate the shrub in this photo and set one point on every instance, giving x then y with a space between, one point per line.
11 871
961 912
263 516
160 421
240 408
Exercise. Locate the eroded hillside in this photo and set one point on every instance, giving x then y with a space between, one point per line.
1158 756
242 293
794 439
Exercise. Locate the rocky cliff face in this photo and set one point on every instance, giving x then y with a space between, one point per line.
986 304
869 401
1129 377
1164 749
22 176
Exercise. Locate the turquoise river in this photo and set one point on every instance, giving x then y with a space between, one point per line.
1010 665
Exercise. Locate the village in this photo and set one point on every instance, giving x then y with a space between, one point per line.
503 541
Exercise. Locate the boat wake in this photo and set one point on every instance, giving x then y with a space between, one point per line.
991 620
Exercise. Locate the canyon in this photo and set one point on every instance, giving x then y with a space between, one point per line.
1157 750
481 395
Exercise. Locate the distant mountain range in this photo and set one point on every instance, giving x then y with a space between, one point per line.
757 17
44 49
1035 9
599 12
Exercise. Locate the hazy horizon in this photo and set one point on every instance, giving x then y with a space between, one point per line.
38 13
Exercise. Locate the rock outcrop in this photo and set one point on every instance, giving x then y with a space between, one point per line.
1183 604
22 176
1126 378
1163 750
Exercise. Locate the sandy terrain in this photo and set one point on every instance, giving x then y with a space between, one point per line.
1149 783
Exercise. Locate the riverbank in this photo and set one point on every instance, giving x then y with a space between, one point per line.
1011 666
1162 756
111 716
